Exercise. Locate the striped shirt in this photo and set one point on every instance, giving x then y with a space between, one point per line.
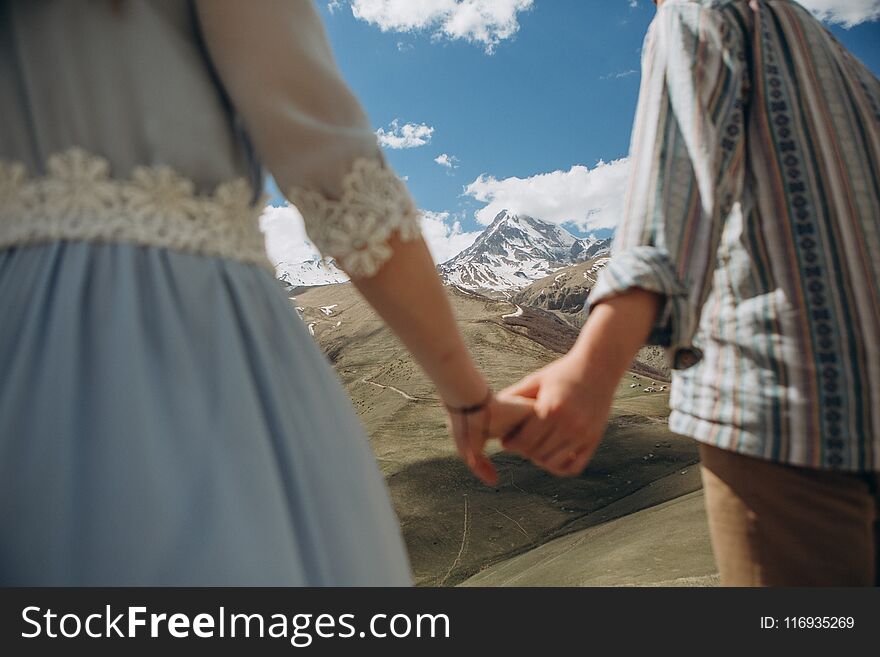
754 209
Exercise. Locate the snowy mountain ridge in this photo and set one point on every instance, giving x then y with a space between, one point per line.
516 250
309 273
511 253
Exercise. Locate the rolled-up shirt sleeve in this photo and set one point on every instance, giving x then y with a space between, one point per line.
686 172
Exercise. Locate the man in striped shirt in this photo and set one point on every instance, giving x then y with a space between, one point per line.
750 248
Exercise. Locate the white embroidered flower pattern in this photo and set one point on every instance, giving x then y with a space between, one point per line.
235 200
356 228
158 193
359 242
78 200
18 195
78 188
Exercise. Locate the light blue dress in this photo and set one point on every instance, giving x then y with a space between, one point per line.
165 417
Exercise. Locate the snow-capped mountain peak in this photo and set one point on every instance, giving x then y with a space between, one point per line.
309 273
515 250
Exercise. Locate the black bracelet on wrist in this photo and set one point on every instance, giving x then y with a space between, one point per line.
469 410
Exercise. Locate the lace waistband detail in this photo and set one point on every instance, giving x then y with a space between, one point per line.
78 200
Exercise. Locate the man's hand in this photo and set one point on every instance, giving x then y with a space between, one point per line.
569 417
573 395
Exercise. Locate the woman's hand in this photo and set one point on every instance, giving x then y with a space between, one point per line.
471 431
569 416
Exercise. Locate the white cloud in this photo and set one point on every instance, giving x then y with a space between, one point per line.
408 135
445 240
287 242
487 22
448 161
846 12
286 239
589 198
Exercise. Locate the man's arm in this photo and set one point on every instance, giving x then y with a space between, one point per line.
685 173
574 394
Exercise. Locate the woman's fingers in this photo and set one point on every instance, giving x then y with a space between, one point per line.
469 432
475 439
485 471
453 425
507 413
478 463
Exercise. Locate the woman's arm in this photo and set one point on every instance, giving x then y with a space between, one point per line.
685 171
275 62
409 296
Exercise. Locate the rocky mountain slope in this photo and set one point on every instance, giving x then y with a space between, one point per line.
564 294
516 250
565 291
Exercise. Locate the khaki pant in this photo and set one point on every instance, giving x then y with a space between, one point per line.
778 525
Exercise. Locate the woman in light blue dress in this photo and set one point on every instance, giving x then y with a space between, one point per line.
165 418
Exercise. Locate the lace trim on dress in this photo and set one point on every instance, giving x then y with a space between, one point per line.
78 200
355 229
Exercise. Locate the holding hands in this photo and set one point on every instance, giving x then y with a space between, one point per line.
568 417
552 417
556 416
472 427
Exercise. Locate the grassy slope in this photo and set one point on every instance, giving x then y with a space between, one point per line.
453 526
664 545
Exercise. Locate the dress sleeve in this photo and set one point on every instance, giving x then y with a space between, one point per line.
686 170
275 62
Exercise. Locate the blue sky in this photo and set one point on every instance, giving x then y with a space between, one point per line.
537 104
558 90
